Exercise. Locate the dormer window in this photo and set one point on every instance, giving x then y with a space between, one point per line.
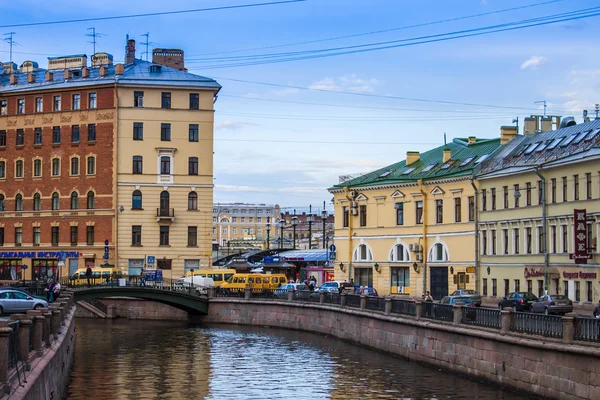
154 68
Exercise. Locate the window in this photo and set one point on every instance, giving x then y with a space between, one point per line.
21 106
74 235
18 236
553 190
74 201
505 194
37 202
20 137
55 201
399 213
493 242
136 200
528 240
363 276
164 236
589 286
92 100
362 253
564 189
19 169
37 136
400 280
55 236
541 241
91 132
56 103
138 131
137 164
194 101
56 135
346 217
193 165
438 252
3 107
540 288
483 200
192 201
136 235
588 186
19 202
76 102
516 190
565 239
471 208
505 240
399 253
91 200
484 286
528 193
192 236
91 166
575 187
36 235
457 207
363 216
439 211
506 287
193 132
74 166
2 169
493 190
577 291
138 99
90 235
37 168
494 287
165 100
55 166
484 242
419 212
517 240
75 134
590 237
165 165
165 132
2 138
553 238
517 285
39 104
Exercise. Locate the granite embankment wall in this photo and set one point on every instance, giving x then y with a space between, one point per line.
132 308
536 365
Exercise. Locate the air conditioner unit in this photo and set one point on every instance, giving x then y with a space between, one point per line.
353 193
419 248
419 256
411 247
353 204
353 211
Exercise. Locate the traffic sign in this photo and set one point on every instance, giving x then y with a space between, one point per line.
332 248
106 242
151 259
332 256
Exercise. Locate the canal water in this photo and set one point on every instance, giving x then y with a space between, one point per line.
125 359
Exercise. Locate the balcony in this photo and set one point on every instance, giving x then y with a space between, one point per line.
165 215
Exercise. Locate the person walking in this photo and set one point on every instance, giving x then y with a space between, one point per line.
311 284
597 310
428 297
50 295
88 275
56 290
142 277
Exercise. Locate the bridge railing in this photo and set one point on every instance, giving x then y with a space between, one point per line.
587 329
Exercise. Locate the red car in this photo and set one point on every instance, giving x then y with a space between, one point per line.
367 291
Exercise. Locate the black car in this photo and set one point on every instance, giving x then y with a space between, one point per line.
519 301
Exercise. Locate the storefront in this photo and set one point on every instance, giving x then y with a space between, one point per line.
11 269
189 265
578 283
400 280
42 269
37 265
135 267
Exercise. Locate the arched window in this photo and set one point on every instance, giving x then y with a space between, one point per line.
74 201
136 200
91 200
19 202
1 202
37 202
363 253
193 201
399 253
164 200
55 201
438 252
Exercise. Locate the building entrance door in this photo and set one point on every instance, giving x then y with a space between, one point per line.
438 282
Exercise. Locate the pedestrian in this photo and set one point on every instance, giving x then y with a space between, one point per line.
88 275
142 277
56 290
50 294
428 297
597 310
311 284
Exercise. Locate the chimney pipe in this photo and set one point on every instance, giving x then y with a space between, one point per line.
507 133
85 72
447 155
49 76
31 77
471 139
130 52
68 74
546 124
531 125
412 157
119 69
14 79
103 70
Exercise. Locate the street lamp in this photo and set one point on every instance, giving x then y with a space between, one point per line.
294 223
310 218
228 244
268 231
324 218
281 225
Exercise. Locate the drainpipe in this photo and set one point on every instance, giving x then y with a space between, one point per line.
476 215
347 194
544 228
424 194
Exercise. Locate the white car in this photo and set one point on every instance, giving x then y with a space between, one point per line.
17 301
201 284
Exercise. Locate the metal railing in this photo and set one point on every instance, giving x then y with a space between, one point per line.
538 324
376 303
302 295
165 212
587 329
234 292
482 317
353 300
332 298
441 312
405 307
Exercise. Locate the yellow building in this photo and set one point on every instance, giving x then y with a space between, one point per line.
529 190
410 227
165 167
237 222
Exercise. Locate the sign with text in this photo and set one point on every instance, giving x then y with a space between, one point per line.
580 255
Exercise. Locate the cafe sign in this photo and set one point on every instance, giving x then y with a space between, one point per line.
532 273
581 254
579 275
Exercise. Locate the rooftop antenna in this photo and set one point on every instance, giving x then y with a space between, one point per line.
597 110
544 103
516 122
11 42
94 35
444 138
146 43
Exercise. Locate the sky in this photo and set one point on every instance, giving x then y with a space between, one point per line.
344 114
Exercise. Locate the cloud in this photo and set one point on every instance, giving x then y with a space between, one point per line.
231 125
347 83
286 91
534 62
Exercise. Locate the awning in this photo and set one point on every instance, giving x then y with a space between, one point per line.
313 255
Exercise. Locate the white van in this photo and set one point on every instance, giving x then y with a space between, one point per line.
201 284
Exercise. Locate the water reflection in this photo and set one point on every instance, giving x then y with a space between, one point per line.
169 360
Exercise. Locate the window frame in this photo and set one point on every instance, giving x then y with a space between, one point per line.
165 132
136 235
192 236
92 100
165 100
194 132
92 160
137 166
457 209
193 166
138 131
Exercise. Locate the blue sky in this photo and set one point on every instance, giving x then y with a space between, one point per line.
271 149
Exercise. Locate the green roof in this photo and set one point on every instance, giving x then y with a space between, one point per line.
464 157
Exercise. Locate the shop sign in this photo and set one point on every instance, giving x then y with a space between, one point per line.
39 254
579 275
470 270
580 225
532 273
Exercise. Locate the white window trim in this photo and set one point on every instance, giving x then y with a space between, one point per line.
392 254
356 253
445 252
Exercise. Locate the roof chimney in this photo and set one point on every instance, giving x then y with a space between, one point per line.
172 58
30 77
447 155
471 139
546 124
68 74
531 125
507 133
130 51
49 76
412 157
85 72
14 79
119 69
103 70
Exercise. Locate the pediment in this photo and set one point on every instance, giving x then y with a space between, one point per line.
361 197
397 195
437 190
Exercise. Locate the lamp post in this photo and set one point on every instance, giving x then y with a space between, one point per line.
281 226
294 223
268 231
228 244
324 218
310 218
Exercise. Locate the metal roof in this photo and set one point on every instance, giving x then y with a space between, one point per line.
306 255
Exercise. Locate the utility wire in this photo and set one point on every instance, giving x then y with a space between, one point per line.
69 21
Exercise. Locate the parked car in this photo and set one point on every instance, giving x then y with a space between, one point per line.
475 297
3 288
341 286
367 291
17 301
446 313
552 304
328 290
282 291
518 301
